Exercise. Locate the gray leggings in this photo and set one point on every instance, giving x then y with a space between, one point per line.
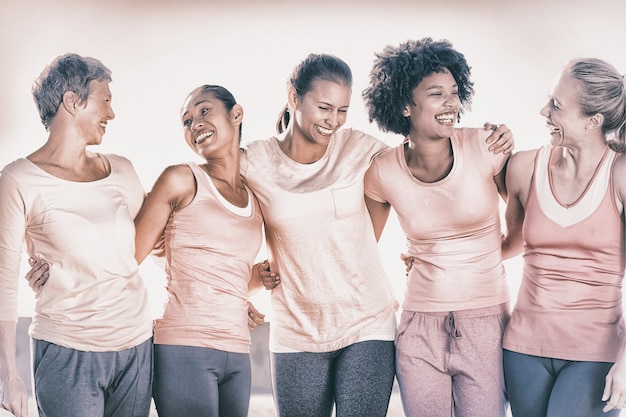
540 387
357 379
73 383
201 382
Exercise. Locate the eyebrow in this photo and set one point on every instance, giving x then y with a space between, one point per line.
196 105
330 105
433 87
556 100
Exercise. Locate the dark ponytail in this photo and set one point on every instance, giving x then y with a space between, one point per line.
313 68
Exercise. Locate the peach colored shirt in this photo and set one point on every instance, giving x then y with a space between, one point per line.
95 299
569 305
321 242
452 226
210 248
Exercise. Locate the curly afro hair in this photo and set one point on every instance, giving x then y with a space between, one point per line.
397 71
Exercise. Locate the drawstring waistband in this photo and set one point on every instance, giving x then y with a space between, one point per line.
451 328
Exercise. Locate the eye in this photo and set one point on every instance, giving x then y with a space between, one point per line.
204 111
554 104
324 108
186 123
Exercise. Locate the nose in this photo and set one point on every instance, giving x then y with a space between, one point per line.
111 113
332 119
197 124
451 100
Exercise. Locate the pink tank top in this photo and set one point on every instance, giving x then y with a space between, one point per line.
210 248
569 304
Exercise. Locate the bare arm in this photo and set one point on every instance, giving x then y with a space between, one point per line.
518 180
379 213
173 190
500 181
615 383
13 395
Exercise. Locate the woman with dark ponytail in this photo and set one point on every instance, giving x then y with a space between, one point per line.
332 336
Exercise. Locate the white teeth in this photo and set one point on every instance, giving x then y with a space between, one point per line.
323 130
203 137
552 127
445 118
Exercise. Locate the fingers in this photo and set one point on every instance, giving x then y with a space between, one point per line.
255 318
608 386
270 279
616 402
15 399
38 274
501 139
408 262
490 126
614 391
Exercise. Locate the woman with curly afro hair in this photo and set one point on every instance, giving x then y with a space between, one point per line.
332 338
444 184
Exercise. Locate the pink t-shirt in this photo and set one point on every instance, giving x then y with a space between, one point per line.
320 239
569 305
210 248
452 226
95 299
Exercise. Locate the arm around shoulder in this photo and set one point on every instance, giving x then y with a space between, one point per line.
174 189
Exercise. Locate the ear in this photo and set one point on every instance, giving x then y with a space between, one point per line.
70 102
292 97
406 112
237 114
595 122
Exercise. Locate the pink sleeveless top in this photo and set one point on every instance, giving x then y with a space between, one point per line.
569 304
210 250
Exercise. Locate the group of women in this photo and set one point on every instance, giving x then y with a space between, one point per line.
323 193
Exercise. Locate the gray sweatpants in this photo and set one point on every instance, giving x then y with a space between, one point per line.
450 364
74 383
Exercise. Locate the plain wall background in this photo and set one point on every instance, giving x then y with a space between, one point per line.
159 50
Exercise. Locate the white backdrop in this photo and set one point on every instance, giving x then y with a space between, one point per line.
159 50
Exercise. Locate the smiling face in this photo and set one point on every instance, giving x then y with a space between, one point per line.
436 107
563 115
208 125
321 111
94 114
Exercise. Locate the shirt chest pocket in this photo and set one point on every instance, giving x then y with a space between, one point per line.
348 200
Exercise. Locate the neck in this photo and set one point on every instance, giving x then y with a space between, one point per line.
300 149
428 153
429 161
226 170
62 150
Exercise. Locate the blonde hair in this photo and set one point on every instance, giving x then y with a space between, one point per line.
603 91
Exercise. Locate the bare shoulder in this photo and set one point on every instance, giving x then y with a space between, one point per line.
176 180
519 171
522 162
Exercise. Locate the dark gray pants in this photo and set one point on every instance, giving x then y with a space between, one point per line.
357 380
73 383
201 382
540 387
